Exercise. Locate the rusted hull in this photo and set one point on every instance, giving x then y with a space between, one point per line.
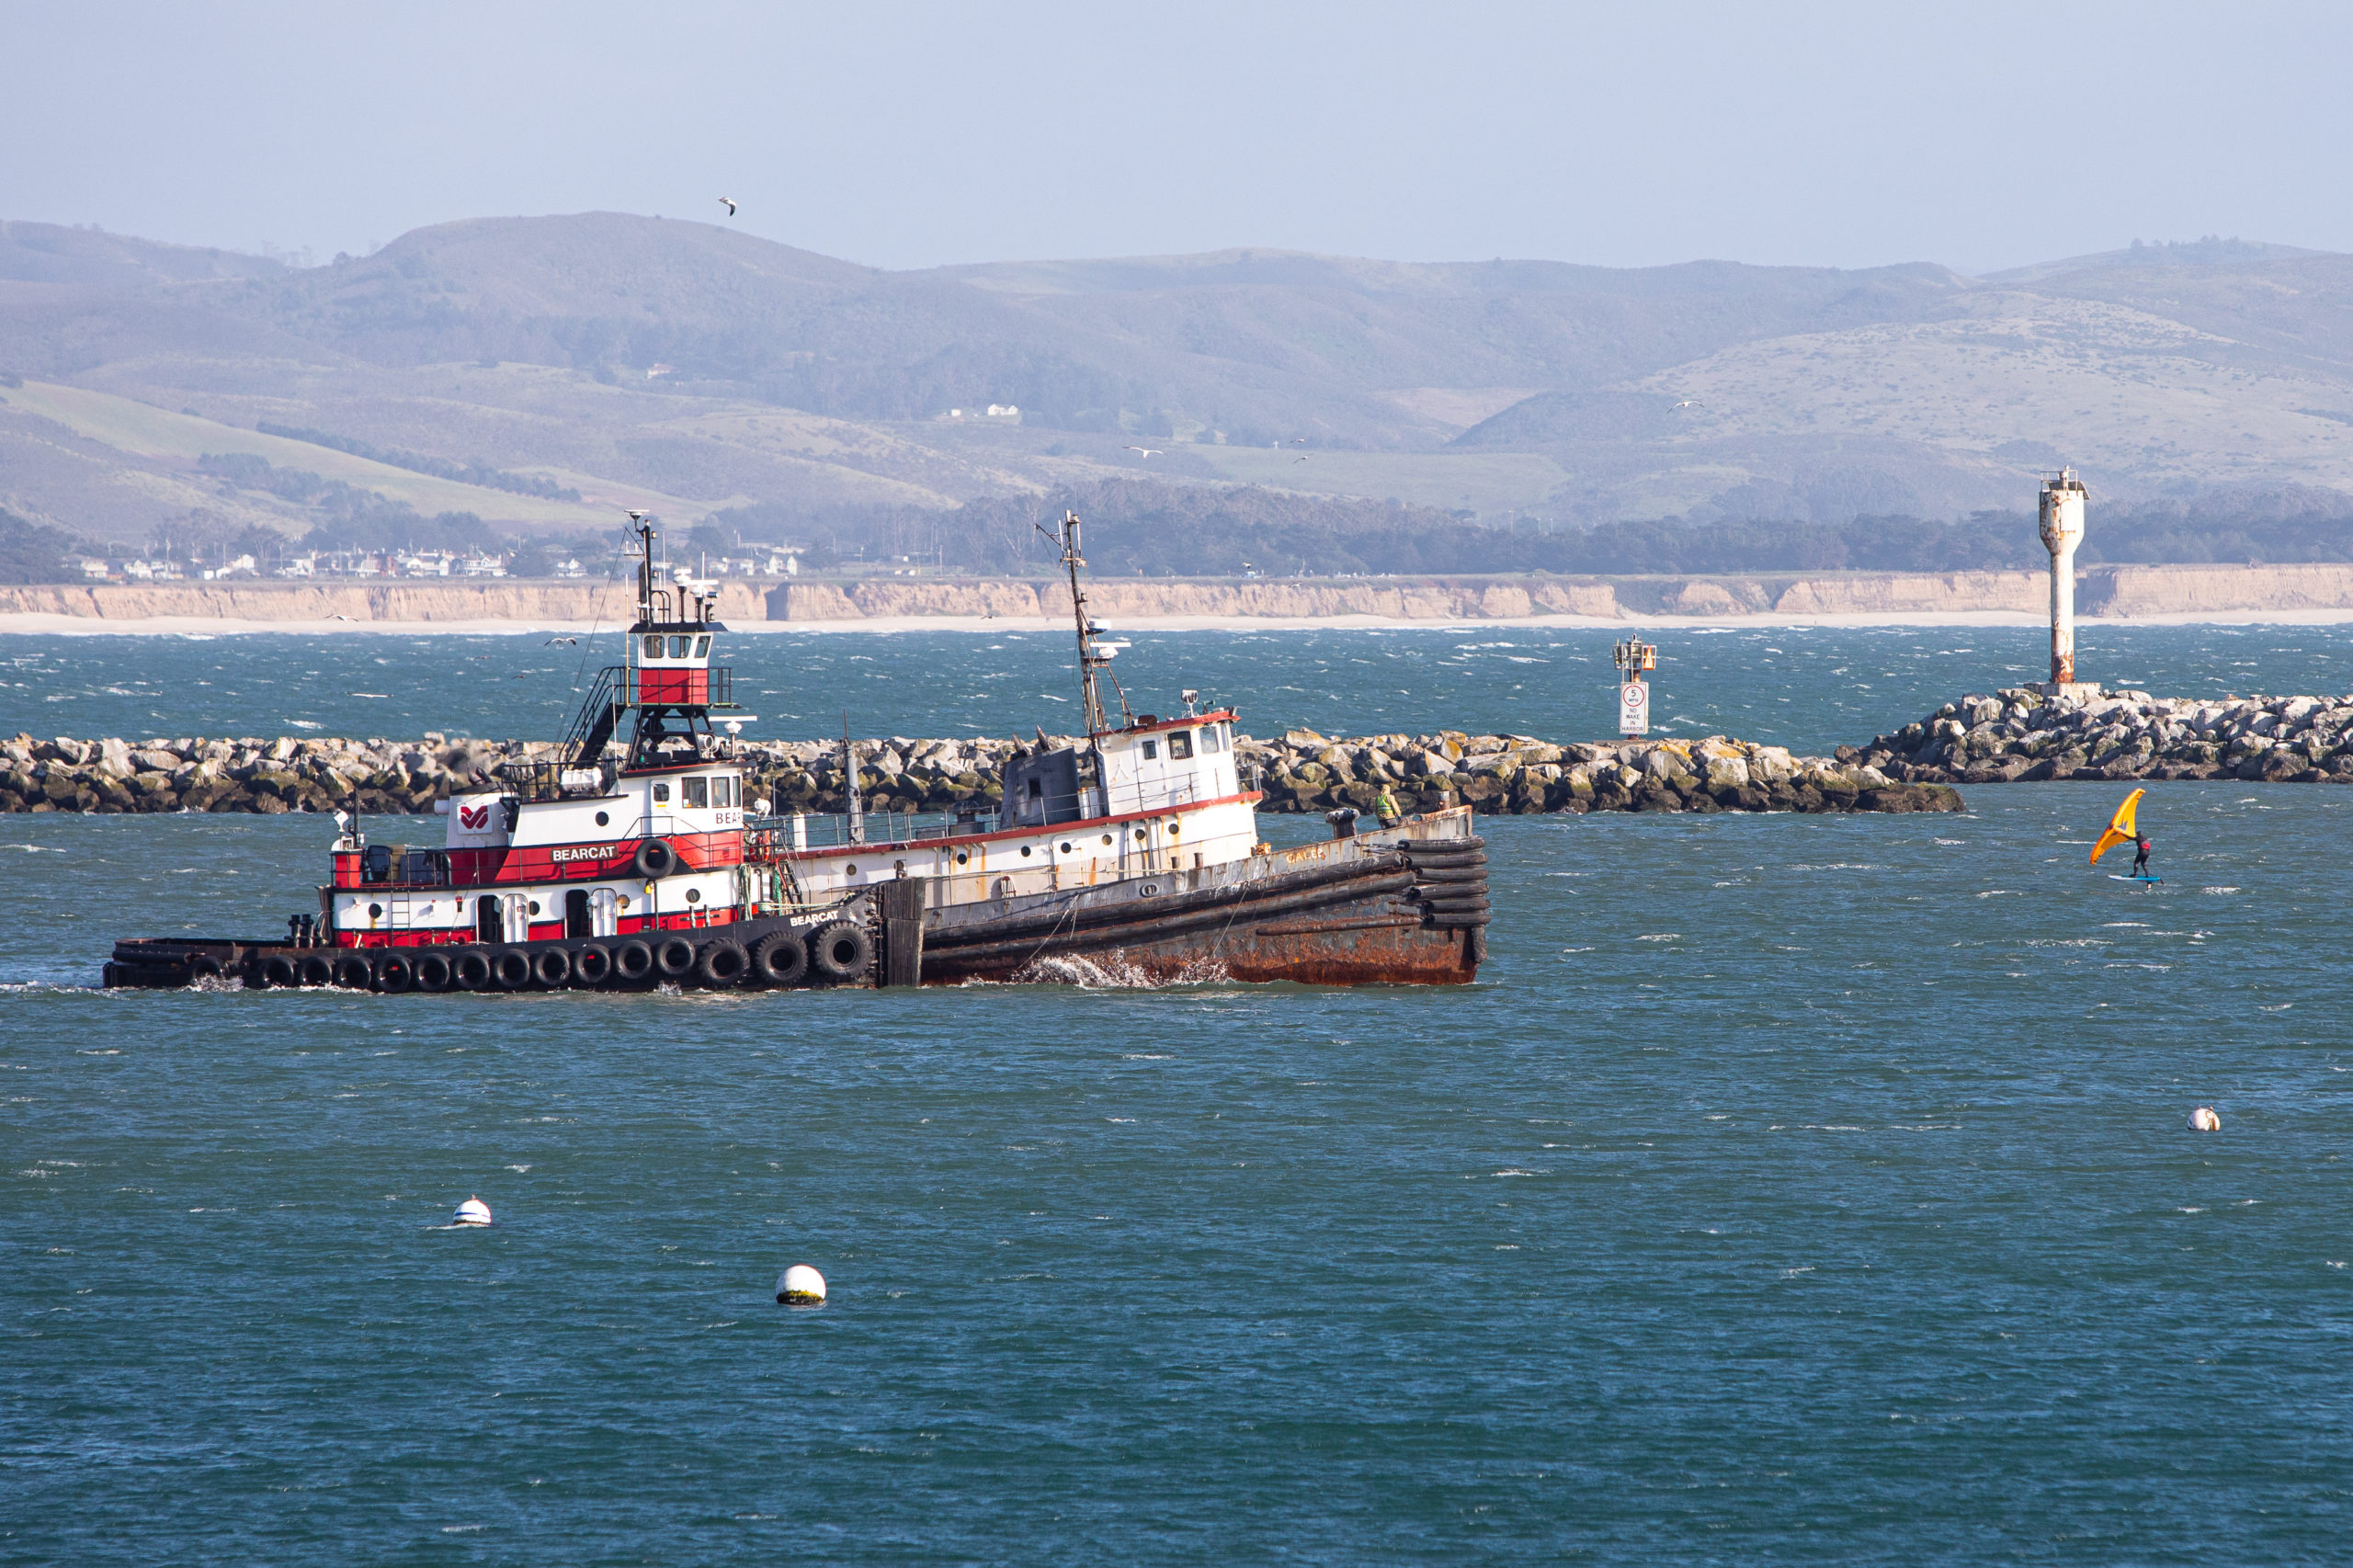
1394 913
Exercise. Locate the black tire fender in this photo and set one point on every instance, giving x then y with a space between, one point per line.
471 970
656 860
433 972
511 969
395 973
552 968
278 970
842 951
781 958
675 958
722 962
593 965
351 972
633 960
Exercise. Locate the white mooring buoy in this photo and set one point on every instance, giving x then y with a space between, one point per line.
2203 1120
800 1286
473 1211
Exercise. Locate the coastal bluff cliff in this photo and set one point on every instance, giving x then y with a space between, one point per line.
1301 772
2104 592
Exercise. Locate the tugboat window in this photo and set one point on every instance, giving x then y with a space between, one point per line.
696 792
653 647
1212 739
661 794
1150 750
1180 745
702 646
962 856
694 895
678 647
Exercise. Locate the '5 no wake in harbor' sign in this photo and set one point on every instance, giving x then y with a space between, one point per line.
1633 707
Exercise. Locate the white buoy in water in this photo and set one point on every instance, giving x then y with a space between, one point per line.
800 1286
473 1211
2203 1120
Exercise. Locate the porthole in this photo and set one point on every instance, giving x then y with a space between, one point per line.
621 903
1025 849
1066 846
535 905
1106 840
1139 835
850 870
1174 827
375 911
694 895
962 856
1149 890
604 819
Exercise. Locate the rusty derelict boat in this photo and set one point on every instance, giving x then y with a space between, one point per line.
635 861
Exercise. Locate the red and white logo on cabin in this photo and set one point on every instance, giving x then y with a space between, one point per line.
473 819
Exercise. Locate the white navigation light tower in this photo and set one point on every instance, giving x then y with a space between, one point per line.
2062 530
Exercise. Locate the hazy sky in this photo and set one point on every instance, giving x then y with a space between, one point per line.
1982 136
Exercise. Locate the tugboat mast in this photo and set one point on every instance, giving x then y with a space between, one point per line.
1094 654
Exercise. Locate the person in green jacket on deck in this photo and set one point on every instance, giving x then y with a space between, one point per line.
1385 808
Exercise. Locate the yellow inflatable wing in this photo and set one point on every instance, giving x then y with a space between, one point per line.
2120 829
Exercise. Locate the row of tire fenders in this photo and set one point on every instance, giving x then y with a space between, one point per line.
837 954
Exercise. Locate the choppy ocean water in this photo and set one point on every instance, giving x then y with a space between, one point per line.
1788 1189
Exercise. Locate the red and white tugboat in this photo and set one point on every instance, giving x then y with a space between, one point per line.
606 869
1132 852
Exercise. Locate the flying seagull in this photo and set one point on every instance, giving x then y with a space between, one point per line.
728 202
340 617
1147 451
1300 458
1690 402
570 642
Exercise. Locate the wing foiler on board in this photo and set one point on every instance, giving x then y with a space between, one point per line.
2123 828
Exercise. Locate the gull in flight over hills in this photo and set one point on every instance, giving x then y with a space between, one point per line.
1147 451
728 202
339 617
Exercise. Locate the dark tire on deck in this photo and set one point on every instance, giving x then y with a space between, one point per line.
433 972
592 965
395 973
722 964
842 952
675 958
552 968
278 969
316 968
656 860
511 969
352 973
633 960
780 959
471 970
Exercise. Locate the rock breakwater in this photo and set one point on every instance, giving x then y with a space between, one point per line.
1524 776
2016 734
1303 771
